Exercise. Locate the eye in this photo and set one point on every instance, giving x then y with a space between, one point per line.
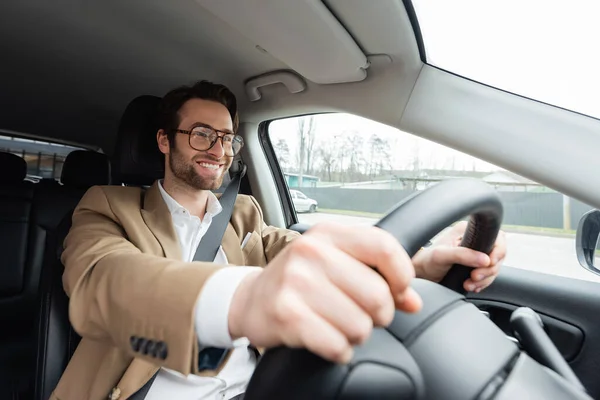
202 132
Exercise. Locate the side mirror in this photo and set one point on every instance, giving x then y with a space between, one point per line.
587 245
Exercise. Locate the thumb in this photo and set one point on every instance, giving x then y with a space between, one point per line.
449 255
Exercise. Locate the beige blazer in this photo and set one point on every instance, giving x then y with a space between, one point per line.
126 279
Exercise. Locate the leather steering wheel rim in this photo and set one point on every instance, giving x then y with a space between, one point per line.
412 222
442 205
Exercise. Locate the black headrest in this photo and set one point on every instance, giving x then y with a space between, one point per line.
137 160
83 169
13 168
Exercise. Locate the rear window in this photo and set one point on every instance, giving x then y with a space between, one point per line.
44 159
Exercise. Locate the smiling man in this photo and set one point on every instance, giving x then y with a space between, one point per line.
155 324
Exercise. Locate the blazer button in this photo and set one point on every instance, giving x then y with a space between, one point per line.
161 350
135 343
148 347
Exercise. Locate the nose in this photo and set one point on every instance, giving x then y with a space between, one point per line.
217 149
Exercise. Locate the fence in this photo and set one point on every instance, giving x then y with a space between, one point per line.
520 208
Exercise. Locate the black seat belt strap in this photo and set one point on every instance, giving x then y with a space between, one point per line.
206 251
211 241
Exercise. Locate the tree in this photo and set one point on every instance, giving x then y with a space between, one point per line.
282 151
310 145
306 138
327 153
353 146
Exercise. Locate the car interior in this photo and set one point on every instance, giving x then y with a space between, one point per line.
91 73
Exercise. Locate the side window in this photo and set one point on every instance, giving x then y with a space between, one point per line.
44 159
355 170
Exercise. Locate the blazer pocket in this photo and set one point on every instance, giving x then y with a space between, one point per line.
251 250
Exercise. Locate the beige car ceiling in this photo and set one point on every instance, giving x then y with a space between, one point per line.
69 68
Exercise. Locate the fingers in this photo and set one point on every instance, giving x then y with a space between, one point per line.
499 251
304 328
471 286
364 285
449 255
374 247
369 289
343 313
482 277
480 274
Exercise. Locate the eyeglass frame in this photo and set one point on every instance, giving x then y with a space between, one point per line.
216 131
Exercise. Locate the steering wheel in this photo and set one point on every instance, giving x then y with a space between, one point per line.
449 350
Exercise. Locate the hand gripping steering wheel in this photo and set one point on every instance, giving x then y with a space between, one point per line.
449 350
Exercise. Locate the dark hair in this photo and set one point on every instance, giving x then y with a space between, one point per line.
168 115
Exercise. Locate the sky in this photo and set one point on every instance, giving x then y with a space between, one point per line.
548 50
404 145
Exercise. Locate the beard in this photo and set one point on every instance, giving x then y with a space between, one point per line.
185 171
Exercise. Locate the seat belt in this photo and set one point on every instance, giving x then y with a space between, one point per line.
206 252
211 241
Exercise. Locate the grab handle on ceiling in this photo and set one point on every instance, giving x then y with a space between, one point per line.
291 81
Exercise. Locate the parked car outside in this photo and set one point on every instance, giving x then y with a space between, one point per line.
302 203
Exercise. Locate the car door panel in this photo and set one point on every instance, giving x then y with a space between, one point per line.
570 309
567 337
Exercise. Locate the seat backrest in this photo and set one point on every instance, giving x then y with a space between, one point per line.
16 198
19 271
53 206
136 161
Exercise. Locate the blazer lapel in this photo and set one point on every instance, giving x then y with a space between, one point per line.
231 246
157 217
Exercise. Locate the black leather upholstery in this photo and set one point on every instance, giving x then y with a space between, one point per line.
13 168
56 340
83 169
137 160
19 273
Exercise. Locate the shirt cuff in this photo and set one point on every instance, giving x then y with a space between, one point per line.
212 308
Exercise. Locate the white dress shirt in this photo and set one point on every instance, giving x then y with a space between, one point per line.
211 314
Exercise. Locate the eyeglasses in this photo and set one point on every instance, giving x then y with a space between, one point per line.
203 138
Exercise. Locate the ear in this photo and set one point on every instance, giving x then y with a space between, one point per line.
163 141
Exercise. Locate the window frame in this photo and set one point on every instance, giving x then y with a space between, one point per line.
285 196
18 144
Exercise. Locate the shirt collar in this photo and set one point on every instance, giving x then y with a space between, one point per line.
213 206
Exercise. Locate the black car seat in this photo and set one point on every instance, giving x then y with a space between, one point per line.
53 205
19 274
135 162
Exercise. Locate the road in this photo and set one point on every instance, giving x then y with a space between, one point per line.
545 254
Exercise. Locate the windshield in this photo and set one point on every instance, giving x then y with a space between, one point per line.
541 49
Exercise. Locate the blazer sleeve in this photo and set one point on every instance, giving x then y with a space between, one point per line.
274 239
141 303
